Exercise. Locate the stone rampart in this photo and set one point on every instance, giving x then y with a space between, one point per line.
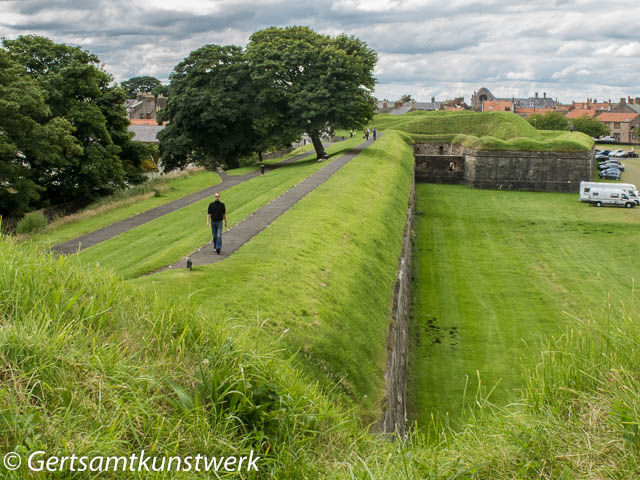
395 409
503 170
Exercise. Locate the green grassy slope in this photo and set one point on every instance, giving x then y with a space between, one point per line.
483 131
172 236
497 270
321 276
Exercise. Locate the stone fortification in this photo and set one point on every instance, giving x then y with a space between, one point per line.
503 170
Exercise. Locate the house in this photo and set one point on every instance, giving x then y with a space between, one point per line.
593 104
632 105
497 106
623 126
145 106
483 94
579 113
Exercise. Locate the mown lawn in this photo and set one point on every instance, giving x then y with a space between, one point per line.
171 237
495 271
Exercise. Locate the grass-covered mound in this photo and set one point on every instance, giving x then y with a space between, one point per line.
321 276
483 131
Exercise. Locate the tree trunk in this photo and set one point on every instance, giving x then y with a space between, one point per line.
317 145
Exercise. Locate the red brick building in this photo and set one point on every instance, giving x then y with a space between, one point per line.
623 126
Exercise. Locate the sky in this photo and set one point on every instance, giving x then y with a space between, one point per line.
569 49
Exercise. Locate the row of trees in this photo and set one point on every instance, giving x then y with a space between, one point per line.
557 121
226 102
63 127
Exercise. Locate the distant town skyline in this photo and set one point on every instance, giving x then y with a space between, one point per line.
571 49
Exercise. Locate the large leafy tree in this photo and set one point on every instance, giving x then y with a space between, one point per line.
212 113
313 83
591 126
33 144
549 121
140 84
78 90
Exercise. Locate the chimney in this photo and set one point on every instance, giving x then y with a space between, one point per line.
433 99
544 95
536 94
595 100
637 100
622 100
629 99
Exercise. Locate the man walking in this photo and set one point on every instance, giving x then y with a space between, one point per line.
217 213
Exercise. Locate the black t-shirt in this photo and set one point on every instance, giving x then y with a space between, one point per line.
217 211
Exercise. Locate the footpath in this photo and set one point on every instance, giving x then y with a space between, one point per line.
239 234
103 234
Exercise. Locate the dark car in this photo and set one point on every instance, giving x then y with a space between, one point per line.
610 176
633 154
606 165
599 156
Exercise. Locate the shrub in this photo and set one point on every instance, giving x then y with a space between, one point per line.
31 223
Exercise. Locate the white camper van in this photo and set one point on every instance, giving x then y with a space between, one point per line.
628 188
609 196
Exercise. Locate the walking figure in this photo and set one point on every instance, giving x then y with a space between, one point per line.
366 133
216 214
375 133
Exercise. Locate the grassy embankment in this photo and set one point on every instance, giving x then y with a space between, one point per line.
321 275
126 204
206 371
483 131
171 237
497 271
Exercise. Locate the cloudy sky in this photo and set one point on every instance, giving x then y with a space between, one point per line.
570 49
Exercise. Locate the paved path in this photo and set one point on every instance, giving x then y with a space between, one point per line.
98 236
248 228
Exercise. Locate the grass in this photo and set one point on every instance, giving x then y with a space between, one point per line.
112 209
482 131
252 168
169 238
310 276
496 272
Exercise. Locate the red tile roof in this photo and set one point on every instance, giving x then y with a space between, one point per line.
539 110
617 117
581 113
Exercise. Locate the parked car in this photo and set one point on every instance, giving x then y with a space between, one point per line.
633 154
605 152
600 156
608 165
618 153
610 176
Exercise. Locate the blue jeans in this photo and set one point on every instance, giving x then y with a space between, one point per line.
216 230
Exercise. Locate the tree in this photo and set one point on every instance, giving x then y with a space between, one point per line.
549 121
140 84
590 126
406 98
33 145
211 110
79 91
307 82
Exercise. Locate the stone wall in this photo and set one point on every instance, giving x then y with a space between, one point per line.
532 171
504 170
437 149
439 168
395 410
